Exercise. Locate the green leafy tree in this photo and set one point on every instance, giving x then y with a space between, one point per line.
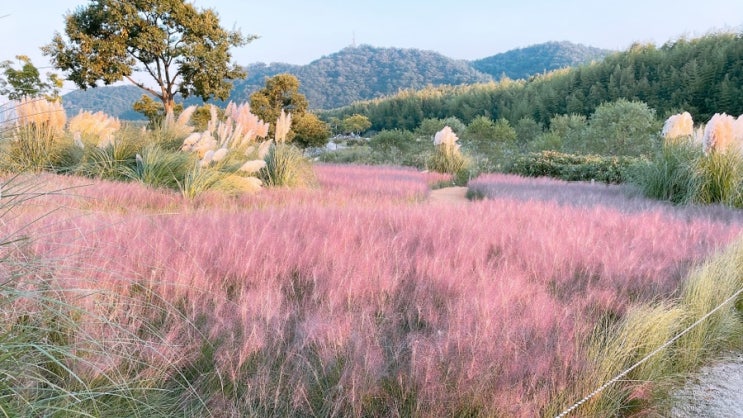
622 128
309 130
184 50
527 130
481 127
504 132
356 124
429 127
280 93
151 109
26 81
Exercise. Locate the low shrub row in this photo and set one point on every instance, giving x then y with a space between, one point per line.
572 167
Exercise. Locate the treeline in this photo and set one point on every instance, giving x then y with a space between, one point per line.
702 76
522 63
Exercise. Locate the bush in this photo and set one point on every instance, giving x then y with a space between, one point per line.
34 143
670 174
573 167
286 166
622 128
429 127
447 158
718 178
159 168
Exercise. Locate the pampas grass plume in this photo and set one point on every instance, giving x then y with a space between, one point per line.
445 136
252 166
718 134
283 124
680 125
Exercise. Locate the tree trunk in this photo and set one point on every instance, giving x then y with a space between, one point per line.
168 104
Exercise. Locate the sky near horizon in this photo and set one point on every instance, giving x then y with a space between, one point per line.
300 31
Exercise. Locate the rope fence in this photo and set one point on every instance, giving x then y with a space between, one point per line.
651 354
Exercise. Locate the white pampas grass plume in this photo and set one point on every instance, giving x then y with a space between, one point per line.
179 128
219 155
185 116
248 121
678 126
263 149
283 124
252 166
738 130
445 136
106 142
40 112
190 141
718 134
252 183
207 159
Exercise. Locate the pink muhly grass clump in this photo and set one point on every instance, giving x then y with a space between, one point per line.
350 299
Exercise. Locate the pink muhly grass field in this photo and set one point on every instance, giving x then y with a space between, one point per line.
360 299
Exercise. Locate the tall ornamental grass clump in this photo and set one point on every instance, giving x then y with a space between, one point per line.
64 350
32 134
447 158
696 166
645 328
670 174
285 163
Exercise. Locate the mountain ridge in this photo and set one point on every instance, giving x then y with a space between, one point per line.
351 74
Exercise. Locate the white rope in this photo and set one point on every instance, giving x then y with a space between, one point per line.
651 354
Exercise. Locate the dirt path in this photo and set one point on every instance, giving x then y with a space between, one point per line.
448 195
715 391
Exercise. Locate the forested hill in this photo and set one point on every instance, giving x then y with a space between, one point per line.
525 62
702 76
351 74
365 72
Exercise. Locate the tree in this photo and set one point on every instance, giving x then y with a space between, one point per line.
26 81
184 50
622 128
309 131
281 93
356 124
152 110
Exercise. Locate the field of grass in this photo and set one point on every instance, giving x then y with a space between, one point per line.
354 298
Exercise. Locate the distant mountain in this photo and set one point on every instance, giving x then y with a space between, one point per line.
364 72
525 62
113 100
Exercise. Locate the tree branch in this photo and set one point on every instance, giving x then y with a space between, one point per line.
145 88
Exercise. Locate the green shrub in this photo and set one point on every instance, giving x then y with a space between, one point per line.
351 155
670 175
388 141
64 352
429 127
33 148
286 166
718 178
622 128
159 168
573 167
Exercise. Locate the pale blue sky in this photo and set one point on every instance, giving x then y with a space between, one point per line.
299 31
